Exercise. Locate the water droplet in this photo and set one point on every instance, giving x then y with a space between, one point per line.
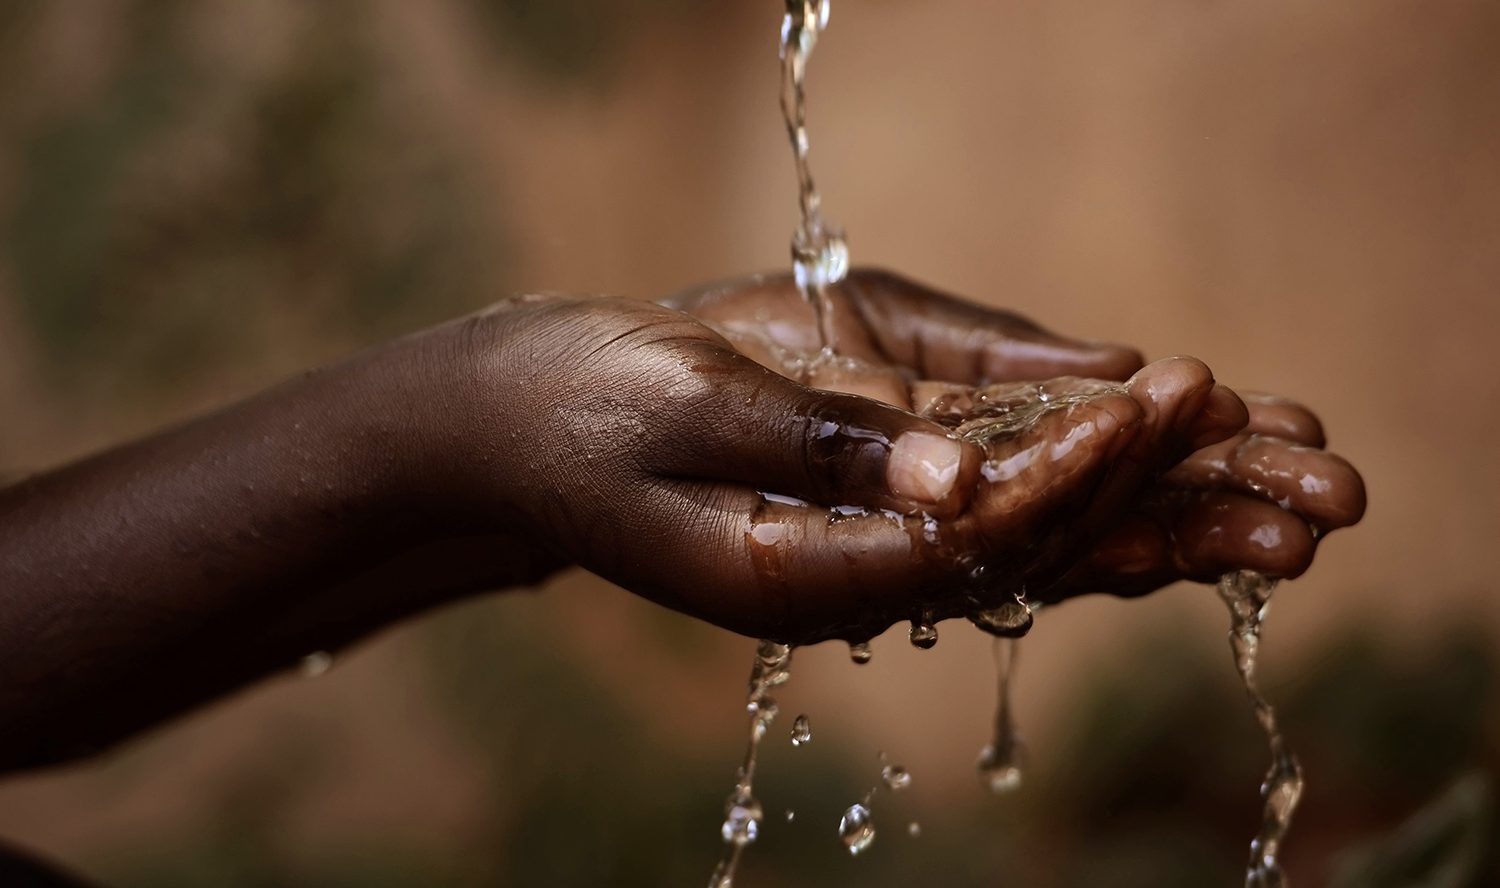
315 664
914 829
1010 620
1000 770
896 777
801 731
742 818
861 653
923 634
856 829
790 815
820 258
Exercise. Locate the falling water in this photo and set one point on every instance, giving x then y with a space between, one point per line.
1000 761
1247 593
743 814
820 256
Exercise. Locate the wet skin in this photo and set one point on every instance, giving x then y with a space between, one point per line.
639 441
1125 479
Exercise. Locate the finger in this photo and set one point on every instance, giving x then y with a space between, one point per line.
754 427
947 338
771 570
1134 558
1218 531
1170 395
1280 417
1038 476
1317 484
1197 537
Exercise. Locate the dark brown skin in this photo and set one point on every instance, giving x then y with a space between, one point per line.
635 440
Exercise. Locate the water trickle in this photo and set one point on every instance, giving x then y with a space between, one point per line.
742 819
856 828
860 652
820 256
1000 762
743 815
923 634
1247 594
801 731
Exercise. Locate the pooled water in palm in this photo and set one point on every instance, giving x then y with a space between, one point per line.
743 815
820 256
1247 594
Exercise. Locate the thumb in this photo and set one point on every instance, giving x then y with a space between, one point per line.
763 430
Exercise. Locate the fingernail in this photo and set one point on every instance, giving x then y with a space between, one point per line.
923 467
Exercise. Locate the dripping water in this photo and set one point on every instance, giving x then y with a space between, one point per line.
743 814
801 731
857 827
1247 593
315 664
924 634
895 777
1000 762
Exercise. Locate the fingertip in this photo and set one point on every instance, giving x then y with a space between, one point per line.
1221 415
1223 532
1281 417
1171 391
932 471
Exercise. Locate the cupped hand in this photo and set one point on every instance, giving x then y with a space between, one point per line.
1258 499
705 455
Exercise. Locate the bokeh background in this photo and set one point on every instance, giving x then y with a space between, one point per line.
199 198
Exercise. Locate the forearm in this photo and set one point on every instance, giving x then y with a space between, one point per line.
149 578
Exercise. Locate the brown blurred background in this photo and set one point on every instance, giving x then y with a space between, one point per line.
198 198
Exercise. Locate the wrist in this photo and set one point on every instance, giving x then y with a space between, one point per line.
462 437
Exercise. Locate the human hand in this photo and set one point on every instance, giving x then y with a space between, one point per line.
1258 500
645 441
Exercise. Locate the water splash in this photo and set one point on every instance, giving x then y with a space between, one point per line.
1247 594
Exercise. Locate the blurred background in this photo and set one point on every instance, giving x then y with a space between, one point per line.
200 198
